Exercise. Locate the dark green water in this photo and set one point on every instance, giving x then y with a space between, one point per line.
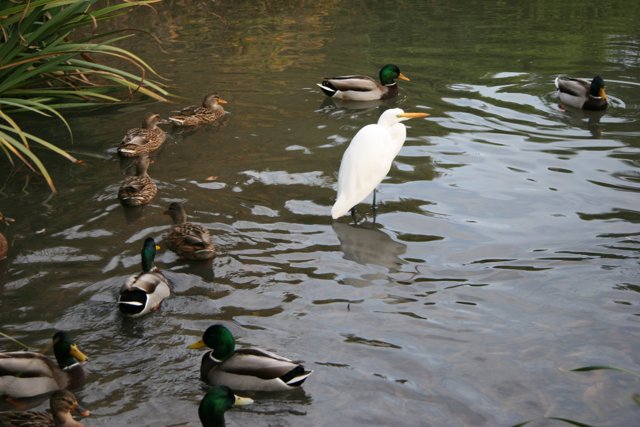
507 241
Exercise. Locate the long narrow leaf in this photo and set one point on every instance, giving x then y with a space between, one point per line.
36 106
605 367
48 145
35 160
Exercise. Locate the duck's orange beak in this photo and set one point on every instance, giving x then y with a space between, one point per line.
403 77
602 93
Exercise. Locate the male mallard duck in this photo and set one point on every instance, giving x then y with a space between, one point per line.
25 374
143 140
144 291
364 88
582 94
188 240
62 403
245 369
210 111
138 189
214 404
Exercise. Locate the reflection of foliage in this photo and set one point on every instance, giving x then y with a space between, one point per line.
273 35
46 65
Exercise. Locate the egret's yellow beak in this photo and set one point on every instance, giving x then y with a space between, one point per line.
75 352
197 344
413 115
403 77
242 401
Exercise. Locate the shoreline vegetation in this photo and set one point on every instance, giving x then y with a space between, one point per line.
54 56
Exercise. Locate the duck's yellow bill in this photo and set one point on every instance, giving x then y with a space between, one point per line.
75 352
403 77
80 410
414 115
221 101
602 93
242 401
157 247
197 344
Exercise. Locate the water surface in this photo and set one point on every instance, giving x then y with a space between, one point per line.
504 253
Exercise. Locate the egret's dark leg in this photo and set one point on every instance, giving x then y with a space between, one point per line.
353 215
374 208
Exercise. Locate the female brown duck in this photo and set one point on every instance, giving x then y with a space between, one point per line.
62 403
139 189
145 139
188 240
210 111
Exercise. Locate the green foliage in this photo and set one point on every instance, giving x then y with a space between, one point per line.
51 58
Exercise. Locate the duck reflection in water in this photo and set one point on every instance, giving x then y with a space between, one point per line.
585 119
350 109
369 246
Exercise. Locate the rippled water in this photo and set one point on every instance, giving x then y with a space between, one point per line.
504 253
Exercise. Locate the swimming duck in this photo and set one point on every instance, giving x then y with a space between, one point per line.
144 291
25 374
62 403
245 369
214 404
138 189
188 240
582 94
210 111
4 244
364 88
144 139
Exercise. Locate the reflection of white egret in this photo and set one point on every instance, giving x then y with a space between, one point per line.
368 159
369 246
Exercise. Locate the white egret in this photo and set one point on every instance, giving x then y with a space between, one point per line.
368 159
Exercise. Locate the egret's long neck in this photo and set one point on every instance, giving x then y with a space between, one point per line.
398 134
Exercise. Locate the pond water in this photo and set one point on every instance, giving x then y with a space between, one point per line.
505 249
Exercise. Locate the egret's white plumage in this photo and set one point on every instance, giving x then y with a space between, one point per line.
368 158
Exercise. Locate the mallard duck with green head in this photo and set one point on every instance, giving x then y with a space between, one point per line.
247 368
62 404
188 240
143 140
26 374
364 88
139 189
216 402
582 94
145 291
210 111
